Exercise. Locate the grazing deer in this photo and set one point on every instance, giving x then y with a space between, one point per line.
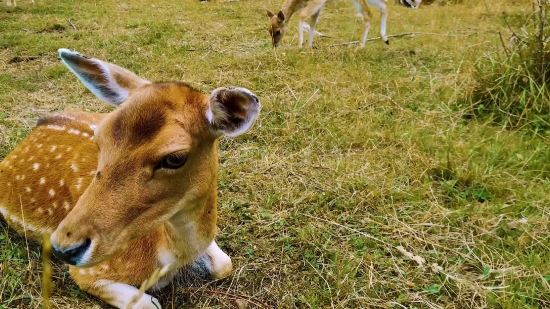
14 3
414 4
127 192
312 8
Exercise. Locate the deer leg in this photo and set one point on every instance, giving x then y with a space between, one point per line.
384 11
366 15
312 23
311 10
366 20
301 33
213 262
119 295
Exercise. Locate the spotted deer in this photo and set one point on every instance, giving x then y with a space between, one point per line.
312 9
127 192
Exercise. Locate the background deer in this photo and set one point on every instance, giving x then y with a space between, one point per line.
14 3
127 192
312 8
414 4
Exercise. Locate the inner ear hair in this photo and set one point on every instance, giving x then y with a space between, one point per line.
281 16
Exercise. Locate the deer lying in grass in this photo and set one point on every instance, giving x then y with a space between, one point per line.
312 8
127 192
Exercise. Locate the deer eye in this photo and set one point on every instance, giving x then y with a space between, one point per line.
277 32
172 161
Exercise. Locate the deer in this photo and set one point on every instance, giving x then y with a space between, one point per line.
312 9
14 3
413 4
127 192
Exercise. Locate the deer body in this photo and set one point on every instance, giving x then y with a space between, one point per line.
14 3
128 192
312 9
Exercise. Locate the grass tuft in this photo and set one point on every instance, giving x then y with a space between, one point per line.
512 83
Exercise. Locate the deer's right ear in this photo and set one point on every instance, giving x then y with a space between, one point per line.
231 111
107 81
281 16
269 14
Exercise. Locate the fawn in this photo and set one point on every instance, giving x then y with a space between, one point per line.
312 8
127 192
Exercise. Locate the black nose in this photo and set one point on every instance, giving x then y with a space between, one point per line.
74 254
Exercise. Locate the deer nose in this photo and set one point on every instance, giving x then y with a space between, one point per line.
73 254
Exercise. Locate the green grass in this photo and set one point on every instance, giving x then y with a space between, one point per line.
512 82
356 152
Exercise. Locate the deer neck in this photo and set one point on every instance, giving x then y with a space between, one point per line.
291 6
190 231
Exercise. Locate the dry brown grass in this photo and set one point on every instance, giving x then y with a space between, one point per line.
362 185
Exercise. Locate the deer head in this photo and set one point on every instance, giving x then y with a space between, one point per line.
277 27
157 158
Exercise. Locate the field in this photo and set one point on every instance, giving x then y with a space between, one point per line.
367 182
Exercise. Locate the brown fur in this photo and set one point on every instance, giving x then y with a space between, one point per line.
92 176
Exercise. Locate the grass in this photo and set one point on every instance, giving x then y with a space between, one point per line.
512 82
355 153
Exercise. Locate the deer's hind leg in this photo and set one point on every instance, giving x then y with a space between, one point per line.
383 20
366 15
313 9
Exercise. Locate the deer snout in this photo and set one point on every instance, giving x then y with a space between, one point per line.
72 255
70 249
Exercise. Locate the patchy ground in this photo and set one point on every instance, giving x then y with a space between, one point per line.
365 183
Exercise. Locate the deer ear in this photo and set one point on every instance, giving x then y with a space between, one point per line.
107 81
269 14
281 16
232 111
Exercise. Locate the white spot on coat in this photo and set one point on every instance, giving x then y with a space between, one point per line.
78 184
74 167
55 127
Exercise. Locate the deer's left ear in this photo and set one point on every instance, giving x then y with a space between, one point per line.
232 111
107 81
